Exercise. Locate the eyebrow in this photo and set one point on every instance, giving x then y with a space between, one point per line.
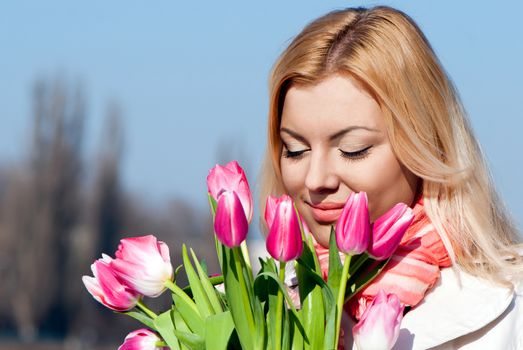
334 136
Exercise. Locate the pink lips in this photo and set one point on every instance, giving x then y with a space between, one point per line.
327 212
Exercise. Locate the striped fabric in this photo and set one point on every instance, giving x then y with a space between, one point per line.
412 270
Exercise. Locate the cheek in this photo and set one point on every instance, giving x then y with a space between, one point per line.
292 177
385 181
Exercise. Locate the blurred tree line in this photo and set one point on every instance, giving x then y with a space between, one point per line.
59 212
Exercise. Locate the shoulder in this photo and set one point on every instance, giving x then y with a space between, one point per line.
464 311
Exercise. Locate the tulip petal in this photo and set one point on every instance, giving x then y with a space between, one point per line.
144 264
284 241
379 325
142 339
149 283
108 289
388 230
164 251
231 177
270 207
230 223
93 287
137 248
353 227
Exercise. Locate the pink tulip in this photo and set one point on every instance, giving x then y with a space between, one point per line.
230 223
388 230
270 209
107 288
284 241
142 339
231 177
144 264
353 228
379 325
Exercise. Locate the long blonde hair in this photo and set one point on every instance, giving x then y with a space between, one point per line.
426 124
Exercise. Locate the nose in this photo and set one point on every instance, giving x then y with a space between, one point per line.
321 176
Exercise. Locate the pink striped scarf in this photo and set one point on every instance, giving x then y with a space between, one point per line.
413 269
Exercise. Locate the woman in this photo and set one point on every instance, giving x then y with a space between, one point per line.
359 102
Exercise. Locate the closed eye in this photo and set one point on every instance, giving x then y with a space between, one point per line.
362 153
293 154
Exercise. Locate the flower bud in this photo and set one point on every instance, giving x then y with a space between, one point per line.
231 177
388 230
230 223
142 339
353 227
107 288
379 326
284 241
143 263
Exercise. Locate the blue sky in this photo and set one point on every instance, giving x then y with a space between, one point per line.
191 78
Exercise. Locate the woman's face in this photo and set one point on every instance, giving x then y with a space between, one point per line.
334 143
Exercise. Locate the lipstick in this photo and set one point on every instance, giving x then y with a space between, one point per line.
327 212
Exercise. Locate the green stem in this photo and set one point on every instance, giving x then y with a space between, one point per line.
245 252
279 308
341 297
145 309
247 260
245 296
160 344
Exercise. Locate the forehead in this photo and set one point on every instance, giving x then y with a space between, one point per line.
335 102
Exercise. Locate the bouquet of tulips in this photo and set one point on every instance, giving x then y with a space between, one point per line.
240 310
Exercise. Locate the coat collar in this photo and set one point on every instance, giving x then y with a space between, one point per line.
457 305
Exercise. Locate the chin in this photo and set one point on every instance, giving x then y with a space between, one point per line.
321 234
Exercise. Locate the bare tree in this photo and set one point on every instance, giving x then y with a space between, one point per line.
42 208
52 226
100 228
107 208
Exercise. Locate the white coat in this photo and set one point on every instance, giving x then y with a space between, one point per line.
465 312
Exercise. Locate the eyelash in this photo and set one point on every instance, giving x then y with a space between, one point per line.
293 155
361 154
358 155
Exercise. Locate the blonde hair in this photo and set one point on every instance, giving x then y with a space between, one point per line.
426 124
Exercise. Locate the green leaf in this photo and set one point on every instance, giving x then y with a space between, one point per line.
203 265
199 295
260 324
280 285
219 251
297 335
308 257
219 329
246 262
313 318
214 281
335 266
140 316
179 322
190 315
212 203
238 298
176 271
286 335
312 309
164 324
333 280
266 290
369 270
316 296
191 340
207 286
